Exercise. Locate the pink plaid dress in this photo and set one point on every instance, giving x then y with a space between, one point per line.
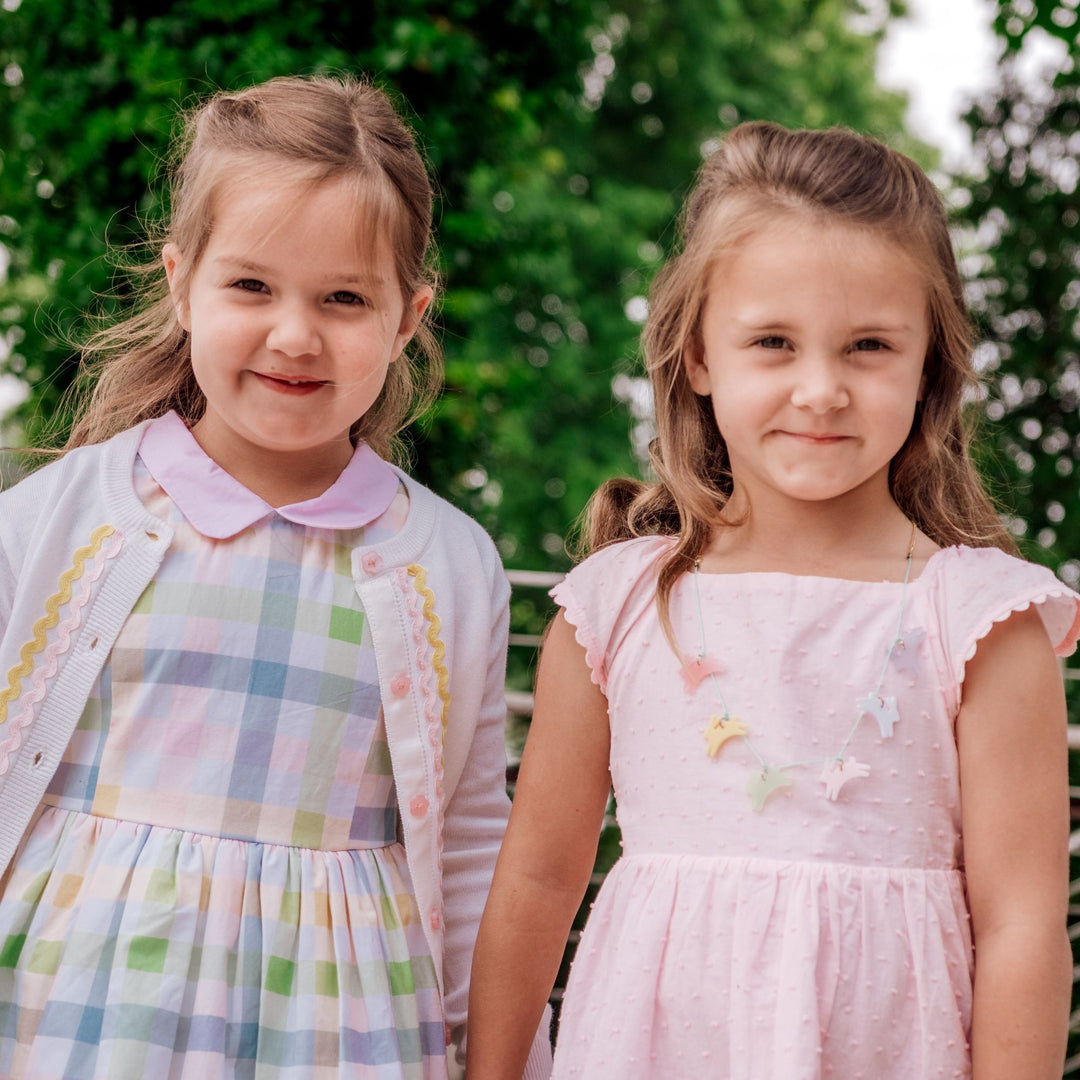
214 885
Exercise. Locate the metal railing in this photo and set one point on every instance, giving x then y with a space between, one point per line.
519 704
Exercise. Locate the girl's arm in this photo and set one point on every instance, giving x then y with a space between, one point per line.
545 862
1014 783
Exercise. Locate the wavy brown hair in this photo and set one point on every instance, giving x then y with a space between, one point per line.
835 177
302 131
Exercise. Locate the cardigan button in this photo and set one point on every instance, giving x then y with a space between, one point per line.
446 1032
435 918
418 807
371 562
399 684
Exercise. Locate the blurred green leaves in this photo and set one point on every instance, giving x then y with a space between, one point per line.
1022 215
563 135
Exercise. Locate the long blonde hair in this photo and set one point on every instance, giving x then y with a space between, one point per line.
835 176
310 130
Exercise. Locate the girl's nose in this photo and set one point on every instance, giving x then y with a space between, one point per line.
293 333
819 386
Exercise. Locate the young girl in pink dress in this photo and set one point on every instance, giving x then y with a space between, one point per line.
252 778
820 683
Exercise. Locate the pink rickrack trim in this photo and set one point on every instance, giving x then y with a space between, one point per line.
105 543
425 633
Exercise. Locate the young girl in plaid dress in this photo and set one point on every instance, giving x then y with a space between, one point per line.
251 752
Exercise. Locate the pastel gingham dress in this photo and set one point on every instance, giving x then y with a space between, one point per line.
214 886
818 936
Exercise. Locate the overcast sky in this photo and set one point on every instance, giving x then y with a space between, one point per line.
944 53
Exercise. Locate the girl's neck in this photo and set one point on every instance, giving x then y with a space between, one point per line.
280 479
860 543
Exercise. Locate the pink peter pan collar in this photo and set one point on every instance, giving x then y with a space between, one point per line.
219 506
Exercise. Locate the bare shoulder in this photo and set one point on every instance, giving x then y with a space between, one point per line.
1014 660
564 673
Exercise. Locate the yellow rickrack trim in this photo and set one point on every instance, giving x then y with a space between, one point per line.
419 574
47 622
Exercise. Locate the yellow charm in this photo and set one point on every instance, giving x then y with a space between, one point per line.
719 730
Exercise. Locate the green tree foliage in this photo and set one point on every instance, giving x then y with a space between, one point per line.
1024 219
558 296
92 87
563 134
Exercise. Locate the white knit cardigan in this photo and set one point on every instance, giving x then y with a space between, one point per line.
78 548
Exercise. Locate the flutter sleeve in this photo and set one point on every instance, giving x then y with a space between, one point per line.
602 597
980 587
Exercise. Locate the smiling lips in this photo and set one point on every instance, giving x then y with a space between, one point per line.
815 438
284 385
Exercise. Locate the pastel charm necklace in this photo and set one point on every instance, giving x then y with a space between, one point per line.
836 769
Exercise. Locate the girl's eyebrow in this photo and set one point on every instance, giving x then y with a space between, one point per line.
349 277
758 325
886 328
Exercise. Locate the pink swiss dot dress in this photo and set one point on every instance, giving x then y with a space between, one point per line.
825 933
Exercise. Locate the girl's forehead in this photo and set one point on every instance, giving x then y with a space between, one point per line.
816 275
793 226
258 210
795 238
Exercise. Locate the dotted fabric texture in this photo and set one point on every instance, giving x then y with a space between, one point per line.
815 938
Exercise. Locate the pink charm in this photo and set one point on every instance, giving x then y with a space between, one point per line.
836 773
905 652
696 668
719 730
763 784
883 710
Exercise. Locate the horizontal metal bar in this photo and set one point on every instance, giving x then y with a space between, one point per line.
539 579
533 641
519 702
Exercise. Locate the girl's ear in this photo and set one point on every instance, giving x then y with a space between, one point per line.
173 259
410 319
696 366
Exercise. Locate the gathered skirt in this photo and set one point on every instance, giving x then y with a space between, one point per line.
132 950
755 969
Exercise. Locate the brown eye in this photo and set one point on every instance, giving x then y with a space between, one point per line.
342 296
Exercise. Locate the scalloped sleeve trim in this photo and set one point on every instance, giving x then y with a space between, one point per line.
1058 607
600 595
563 595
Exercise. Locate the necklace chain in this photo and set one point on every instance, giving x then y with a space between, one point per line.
771 777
